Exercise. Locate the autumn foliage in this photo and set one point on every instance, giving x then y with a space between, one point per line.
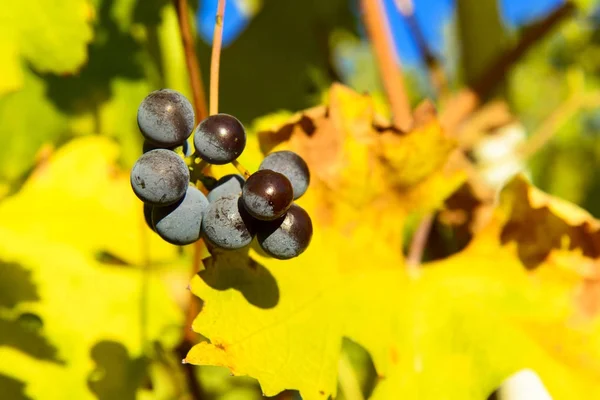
93 304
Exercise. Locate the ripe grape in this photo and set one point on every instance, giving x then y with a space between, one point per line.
229 185
292 166
227 225
166 118
180 223
288 236
267 195
160 177
220 139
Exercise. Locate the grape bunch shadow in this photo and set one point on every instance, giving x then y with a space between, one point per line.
236 270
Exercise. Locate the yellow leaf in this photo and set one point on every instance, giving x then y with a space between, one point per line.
74 211
52 35
283 322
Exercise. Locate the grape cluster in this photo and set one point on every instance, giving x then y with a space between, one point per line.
236 210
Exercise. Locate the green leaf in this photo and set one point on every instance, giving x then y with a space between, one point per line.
30 121
482 36
51 35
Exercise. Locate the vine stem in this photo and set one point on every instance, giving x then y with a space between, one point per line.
418 243
391 73
215 62
215 59
241 169
191 60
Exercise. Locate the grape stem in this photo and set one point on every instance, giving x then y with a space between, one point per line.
191 60
215 62
215 59
241 169
418 243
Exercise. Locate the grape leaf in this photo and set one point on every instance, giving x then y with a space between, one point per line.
284 325
28 114
51 35
95 275
522 294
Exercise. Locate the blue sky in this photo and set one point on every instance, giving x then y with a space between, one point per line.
431 16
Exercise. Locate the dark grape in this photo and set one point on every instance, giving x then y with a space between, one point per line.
229 185
148 215
220 139
181 222
288 236
160 177
267 195
227 225
292 166
166 118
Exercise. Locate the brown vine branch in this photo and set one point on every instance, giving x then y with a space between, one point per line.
418 243
467 100
191 60
385 52
215 59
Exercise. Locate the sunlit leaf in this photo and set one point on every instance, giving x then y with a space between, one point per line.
283 322
77 233
51 35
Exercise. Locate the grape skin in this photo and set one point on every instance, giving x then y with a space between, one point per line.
166 118
180 223
160 177
227 225
292 166
287 237
229 185
220 139
267 195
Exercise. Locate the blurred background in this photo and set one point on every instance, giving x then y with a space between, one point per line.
71 69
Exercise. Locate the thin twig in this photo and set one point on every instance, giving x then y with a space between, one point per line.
467 100
191 60
385 53
241 169
551 125
418 243
215 59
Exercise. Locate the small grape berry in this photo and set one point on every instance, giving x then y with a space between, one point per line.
292 166
267 195
288 236
160 177
220 139
235 210
166 118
